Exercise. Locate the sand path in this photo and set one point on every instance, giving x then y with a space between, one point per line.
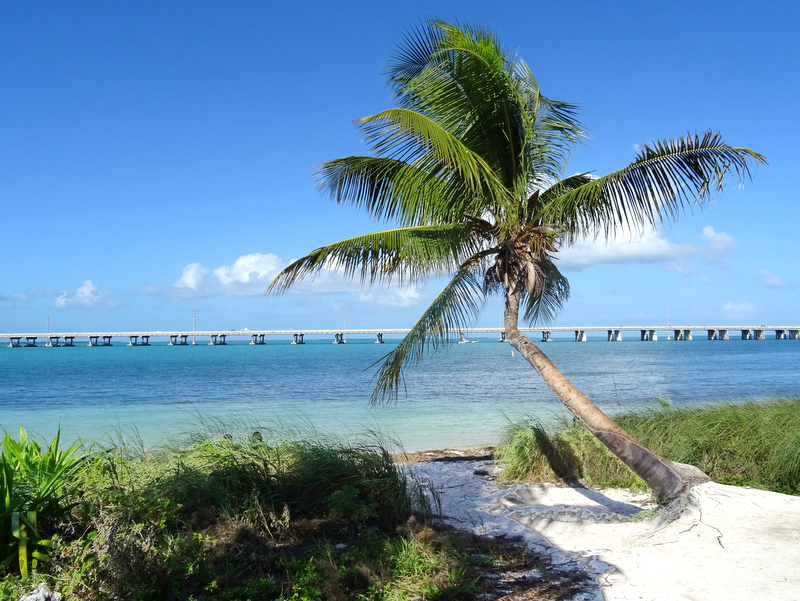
724 543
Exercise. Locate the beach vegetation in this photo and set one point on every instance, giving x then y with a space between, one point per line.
743 444
242 517
471 165
37 489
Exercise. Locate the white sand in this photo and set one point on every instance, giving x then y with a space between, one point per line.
725 543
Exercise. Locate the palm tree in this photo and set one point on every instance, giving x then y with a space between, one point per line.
471 164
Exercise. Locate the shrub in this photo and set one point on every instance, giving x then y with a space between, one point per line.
35 486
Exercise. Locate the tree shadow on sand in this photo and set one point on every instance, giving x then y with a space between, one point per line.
566 465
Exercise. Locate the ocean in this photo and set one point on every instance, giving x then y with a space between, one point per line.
464 395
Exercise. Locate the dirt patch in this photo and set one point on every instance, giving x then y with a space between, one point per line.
445 455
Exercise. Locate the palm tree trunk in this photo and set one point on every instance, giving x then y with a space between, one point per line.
667 479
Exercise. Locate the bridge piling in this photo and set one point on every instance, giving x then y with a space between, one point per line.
257 339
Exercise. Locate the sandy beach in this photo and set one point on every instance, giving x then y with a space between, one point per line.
718 543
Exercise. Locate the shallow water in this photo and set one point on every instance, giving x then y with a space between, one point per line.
458 397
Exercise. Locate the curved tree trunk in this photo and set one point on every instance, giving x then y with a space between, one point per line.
667 479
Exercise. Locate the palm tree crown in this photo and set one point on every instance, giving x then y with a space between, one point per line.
471 165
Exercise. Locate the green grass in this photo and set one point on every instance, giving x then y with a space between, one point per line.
745 444
225 515
243 518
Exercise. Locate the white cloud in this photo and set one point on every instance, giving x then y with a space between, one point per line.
720 245
249 275
21 300
192 276
249 272
649 247
773 281
738 310
87 295
400 297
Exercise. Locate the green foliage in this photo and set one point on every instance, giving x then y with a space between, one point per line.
307 580
746 444
35 488
209 519
783 464
244 519
531 449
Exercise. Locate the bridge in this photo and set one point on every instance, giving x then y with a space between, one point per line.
258 337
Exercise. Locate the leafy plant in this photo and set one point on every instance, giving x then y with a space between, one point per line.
34 484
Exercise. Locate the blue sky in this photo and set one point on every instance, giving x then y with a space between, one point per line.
157 156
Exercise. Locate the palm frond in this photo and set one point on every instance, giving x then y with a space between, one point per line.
456 307
410 136
543 306
423 46
554 126
404 255
412 55
664 179
459 78
389 189
553 191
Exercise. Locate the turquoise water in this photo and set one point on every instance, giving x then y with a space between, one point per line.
461 396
